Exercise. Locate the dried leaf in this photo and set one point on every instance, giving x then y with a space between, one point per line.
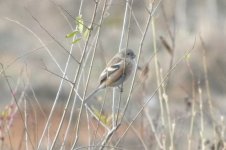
166 45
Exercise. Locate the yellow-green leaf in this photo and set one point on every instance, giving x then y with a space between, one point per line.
100 116
80 23
86 34
76 40
69 35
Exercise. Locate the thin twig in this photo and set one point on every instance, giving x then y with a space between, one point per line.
89 73
51 35
39 39
17 104
202 138
127 42
20 57
78 72
138 58
150 98
108 136
74 100
139 136
99 118
207 85
193 111
157 71
96 117
153 128
82 59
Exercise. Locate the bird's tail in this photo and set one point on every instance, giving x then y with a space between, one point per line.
91 94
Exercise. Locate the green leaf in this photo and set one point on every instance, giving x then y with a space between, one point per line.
75 41
86 34
69 35
80 23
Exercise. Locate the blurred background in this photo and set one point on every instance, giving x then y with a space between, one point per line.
32 33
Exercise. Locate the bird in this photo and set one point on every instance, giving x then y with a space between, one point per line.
117 70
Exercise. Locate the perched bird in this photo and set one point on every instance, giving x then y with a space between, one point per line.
118 69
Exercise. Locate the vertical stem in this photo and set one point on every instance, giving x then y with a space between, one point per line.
113 108
25 123
201 119
124 25
193 111
120 48
157 72
88 78
209 97
127 41
132 85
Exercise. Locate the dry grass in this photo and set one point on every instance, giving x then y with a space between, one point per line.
174 101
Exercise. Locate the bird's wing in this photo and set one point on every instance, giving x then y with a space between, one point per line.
108 71
113 72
